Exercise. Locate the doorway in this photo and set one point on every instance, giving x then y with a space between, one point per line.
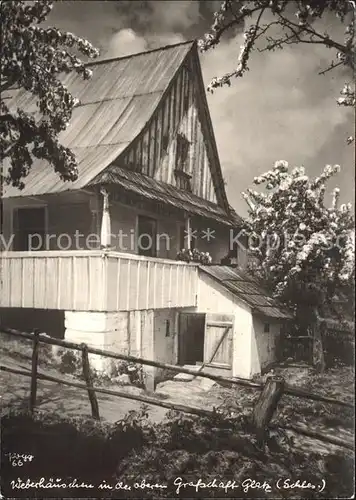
191 338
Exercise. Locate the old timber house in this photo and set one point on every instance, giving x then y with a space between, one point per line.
95 260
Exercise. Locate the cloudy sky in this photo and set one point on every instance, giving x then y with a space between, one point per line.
281 109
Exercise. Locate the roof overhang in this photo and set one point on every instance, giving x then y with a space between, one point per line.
249 290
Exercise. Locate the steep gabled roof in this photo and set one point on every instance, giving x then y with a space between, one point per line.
115 105
247 288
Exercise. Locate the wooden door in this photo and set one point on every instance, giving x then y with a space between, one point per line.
218 326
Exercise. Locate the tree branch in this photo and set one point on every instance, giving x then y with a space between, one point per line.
325 39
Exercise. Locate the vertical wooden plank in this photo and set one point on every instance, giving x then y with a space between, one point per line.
145 148
22 283
34 364
142 290
167 139
149 151
190 125
5 296
155 148
182 90
158 142
176 284
117 281
123 285
28 278
40 283
154 286
200 161
74 282
95 283
149 265
59 278
170 298
112 263
137 291
16 281
141 153
159 283
128 285
162 285
134 157
51 279
195 171
174 107
177 100
134 271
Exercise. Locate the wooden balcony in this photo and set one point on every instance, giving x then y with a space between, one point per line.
94 281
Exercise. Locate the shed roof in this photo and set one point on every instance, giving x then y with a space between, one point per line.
115 104
249 289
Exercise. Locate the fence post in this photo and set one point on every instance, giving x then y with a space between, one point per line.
266 406
88 380
33 390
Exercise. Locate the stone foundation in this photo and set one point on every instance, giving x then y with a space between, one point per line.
129 333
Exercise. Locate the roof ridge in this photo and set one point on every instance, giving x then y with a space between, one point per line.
111 59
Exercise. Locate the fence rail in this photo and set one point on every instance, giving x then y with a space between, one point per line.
266 406
288 390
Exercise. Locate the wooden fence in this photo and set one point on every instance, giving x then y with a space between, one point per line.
271 392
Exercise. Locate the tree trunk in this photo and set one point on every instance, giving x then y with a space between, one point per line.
318 351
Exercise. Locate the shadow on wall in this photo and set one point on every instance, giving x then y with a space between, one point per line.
26 320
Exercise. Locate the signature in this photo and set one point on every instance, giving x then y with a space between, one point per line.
19 459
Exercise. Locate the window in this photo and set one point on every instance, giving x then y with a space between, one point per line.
183 178
164 144
266 328
182 152
168 328
147 236
30 228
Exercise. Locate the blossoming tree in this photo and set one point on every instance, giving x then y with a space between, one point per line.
304 249
269 25
32 59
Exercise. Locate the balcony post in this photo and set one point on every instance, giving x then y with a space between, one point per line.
95 222
188 233
105 234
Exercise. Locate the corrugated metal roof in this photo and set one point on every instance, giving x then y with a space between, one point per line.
249 289
115 105
150 188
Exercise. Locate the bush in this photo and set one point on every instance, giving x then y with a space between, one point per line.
133 450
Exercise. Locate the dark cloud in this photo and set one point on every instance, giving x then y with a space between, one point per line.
281 109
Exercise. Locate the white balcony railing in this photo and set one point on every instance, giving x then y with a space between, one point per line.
94 281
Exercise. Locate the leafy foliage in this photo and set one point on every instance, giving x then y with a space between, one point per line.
275 24
32 60
304 249
182 446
